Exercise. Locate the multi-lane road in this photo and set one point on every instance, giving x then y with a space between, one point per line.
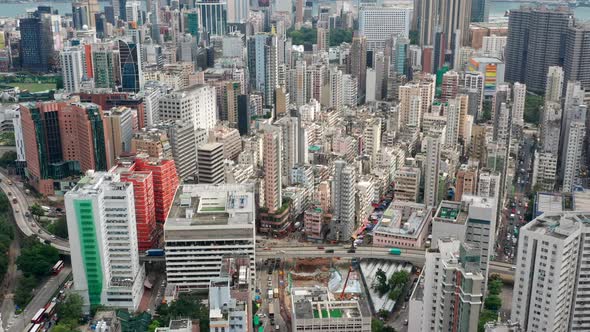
28 226
17 323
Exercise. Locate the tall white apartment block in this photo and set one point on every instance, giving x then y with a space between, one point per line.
343 199
207 223
379 23
290 139
453 115
272 161
473 83
72 65
349 90
195 104
518 99
237 11
554 86
431 170
132 11
493 46
100 213
574 147
489 184
548 271
151 98
365 194
550 127
545 170
407 184
447 296
336 78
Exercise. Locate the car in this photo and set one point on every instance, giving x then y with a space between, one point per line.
321 247
405 322
53 237
16 211
267 248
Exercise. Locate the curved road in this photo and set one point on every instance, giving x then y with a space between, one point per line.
27 225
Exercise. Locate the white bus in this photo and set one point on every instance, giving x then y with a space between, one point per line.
36 328
38 318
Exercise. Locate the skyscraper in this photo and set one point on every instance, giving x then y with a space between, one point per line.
100 213
379 23
72 68
554 85
576 66
450 285
213 16
201 110
103 66
130 64
431 169
237 11
536 41
244 115
480 10
358 63
518 102
263 65
549 282
343 200
36 43
272 161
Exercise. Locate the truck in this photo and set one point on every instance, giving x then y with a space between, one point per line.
276 292
395 251
270 294
154 252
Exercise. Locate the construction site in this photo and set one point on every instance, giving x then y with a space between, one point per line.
333 293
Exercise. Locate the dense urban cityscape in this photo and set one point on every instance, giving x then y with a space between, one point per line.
295 165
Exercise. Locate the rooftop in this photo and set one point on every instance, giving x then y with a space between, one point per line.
207 205
392 222
452 212
558 225
317 303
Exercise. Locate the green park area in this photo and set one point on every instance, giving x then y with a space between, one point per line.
33 87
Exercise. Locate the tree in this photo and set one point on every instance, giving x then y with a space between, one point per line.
70 310
37 210
493 302
339 36
532 108
383 314
187 305
399 278
37 259
495 285
381 285
379 326
24 290
484 317
7 159
61 327
303 36
486 114
59 228
153 326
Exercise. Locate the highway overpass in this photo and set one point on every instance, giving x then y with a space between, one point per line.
414 256
28 226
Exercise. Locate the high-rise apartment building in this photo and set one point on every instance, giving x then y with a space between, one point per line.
195 104
36 42
349 90
576 66
544 171
535 42
450 85
72 67
119 130
554 85
518 101
358 63
467 179
210 161
263 64
272 156
100 213
238 11
448 295
549 283
103 66
431 169
343 200
573 155
407 184
379 23
215 221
